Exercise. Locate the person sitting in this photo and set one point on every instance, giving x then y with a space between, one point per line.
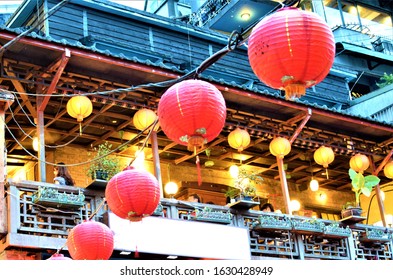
194 198
267 207
62 175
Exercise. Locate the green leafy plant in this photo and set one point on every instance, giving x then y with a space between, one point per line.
246 182
103 161
362 184
386 79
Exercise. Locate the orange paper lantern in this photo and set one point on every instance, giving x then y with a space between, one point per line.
79 107
359 162
291 50
144 118
239 139
280 147
324 156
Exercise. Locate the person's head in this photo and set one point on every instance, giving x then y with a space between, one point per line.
267 207
194 198
60 170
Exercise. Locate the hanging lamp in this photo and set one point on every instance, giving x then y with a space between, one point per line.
133 194
324 156
192 113
239 139
291 50
144 118
388 170
280 147
359 163
79 107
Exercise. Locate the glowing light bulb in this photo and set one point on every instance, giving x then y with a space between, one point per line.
314 185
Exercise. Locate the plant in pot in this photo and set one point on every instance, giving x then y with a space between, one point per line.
360 185
246 183
104 165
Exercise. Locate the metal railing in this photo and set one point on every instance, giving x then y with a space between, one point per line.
271 235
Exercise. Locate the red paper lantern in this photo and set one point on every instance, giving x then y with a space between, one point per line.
133 194
90 240
59 257
291 50
192 113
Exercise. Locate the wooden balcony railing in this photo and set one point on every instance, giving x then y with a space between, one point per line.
39 224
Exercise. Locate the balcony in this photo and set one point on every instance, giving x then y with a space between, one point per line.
175 230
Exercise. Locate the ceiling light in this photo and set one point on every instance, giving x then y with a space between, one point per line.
245 16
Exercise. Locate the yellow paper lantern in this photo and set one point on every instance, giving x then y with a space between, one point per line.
324 156
388 170
144 118
239 139
359 162
280 147
79 107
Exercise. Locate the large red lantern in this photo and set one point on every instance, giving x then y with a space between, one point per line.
133 194
192 113
59 257
90 240
291 50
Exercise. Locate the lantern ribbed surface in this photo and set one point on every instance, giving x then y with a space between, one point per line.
291 50
359 162
79 107
280 147
143 118
192 112
59 257
133 194
324 156
388 170
90 240
239 139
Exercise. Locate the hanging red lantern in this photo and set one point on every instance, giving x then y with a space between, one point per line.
280 147
388 170
192 113
291 50
239 139
359 162
59 257
90 240
133 194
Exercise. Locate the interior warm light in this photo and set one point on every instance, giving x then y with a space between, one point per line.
294 205
35 143
314 185
171 189
322 197
139 159
245 16
234 171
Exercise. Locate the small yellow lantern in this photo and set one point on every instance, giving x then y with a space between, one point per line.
388 170
144 118
79 107
359 162
280 147
324 156
239 139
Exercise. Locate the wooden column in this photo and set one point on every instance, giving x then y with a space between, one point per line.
5 101
156 160
284 185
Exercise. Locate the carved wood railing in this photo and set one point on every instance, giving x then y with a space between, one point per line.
32 224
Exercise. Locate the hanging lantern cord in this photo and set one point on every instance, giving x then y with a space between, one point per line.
147 137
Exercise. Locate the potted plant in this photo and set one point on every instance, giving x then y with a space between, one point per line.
360 185
104 165
246 184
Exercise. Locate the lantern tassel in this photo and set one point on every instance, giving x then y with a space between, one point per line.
199 171
327 174
294 90
136 254
80 128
